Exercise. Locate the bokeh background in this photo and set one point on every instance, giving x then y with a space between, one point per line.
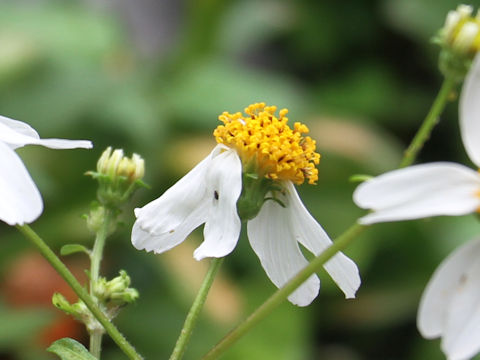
151 76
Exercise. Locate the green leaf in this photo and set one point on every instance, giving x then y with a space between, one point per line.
73 248
69 349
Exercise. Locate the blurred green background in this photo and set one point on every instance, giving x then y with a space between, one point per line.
151 76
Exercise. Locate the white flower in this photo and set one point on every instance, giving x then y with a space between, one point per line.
20 200
431 189
208 195
450 304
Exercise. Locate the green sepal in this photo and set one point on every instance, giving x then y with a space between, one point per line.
73 248
359 178
454 65
69 349
253 195
279 202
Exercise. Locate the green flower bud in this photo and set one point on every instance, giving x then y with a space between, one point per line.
118 176
116 291
60 302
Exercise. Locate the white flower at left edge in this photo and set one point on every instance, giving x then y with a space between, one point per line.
208 194
20 200
431 189
449 307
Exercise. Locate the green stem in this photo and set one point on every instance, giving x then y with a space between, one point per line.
96 258
343 240
429 123
60 267
96 342
197 306
282 294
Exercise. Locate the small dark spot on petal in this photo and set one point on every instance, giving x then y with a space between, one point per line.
171 231
215 195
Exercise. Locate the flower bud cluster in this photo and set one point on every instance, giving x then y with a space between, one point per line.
116 291
118 176
460 41
111 296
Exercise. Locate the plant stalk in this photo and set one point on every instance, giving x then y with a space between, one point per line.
96 258
194 312
60 267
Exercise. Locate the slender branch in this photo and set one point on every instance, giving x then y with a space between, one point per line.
432 119
96 258
343 240
60 267
197 306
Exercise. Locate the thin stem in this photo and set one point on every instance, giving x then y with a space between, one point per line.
197 306
282 294
97 252
96 258
429 123
60 267
343 240
96 343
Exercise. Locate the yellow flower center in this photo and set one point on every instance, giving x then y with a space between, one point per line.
269 144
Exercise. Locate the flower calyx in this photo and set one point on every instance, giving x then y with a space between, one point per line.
118 176
96 220
460 42
111 296
254 194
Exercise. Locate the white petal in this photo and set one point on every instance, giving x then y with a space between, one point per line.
442 287
19 127
271 237
224 185
461 336
18 136
168 220
419 191
20 200
469 109
310 234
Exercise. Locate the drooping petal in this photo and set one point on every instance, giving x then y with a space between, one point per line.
20 200
443 287
16 135
310 234
168 220
224 185
19 127
461 336
273 240
419 191
469 112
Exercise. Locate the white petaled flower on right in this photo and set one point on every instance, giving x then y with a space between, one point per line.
450 304
20 200
433 189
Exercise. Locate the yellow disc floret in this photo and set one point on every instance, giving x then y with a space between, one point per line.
266 142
